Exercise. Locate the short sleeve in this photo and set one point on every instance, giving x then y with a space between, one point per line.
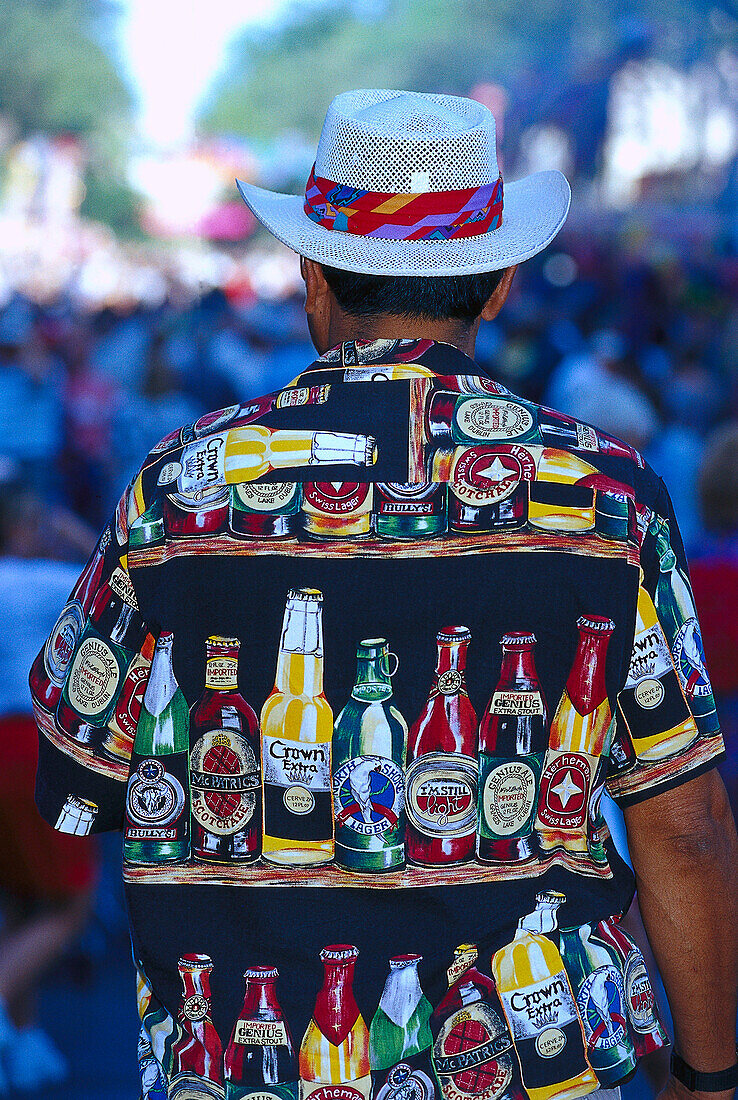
87 685
667 729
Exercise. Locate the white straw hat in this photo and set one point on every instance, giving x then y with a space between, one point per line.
408 184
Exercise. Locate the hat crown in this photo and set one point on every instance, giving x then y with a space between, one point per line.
407 142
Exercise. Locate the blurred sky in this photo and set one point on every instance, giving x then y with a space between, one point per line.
172 51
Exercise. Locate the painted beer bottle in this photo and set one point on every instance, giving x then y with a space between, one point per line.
296 732
541 1009
260 1059
647 1031
197 1053
512 742
334 1055
400 1038
441 780
368 768
597 981
473 1053
224 763
157 818
577 739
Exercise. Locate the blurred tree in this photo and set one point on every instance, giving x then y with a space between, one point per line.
283 79
55 72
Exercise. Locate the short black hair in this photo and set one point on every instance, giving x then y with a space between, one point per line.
435 297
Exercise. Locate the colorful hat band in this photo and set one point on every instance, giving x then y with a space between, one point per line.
429 216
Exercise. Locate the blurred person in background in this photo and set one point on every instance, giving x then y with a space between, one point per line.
405 249
46 878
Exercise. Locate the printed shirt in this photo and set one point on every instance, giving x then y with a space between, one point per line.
420 805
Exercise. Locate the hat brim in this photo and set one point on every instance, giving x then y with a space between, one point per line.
535 209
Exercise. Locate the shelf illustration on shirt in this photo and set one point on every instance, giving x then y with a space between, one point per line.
486 472
563 1012
215 795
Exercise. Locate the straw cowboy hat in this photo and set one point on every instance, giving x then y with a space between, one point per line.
408 184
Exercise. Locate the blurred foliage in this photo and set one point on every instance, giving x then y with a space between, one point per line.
283 79
55 72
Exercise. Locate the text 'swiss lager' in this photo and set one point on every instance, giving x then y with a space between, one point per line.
157 818
296 731
368 768
260 1059
577 739
334 1055
512 741
441 780
541 1009
224 764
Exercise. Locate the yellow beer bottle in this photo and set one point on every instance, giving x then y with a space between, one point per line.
541 1010
296 732
334 1055
652 702
576 742
560 500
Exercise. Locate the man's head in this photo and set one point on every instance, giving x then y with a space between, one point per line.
346 304
404 218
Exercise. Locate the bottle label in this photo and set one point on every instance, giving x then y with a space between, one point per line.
368 795
517 703
651 659
295 396
601 1000
473 1055
489 418
542 1010
93 677
335 498
221 672
61 642
639 994
195 1008
156 802
587 438
441 794
565 785
128 707
509 790
481 476
450 682
273 497
348 1090
261 1033
122 585
689 658
407 1081
408 499
291 764
225 780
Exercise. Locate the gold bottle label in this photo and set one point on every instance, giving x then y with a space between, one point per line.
221 672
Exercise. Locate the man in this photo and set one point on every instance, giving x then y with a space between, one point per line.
396 505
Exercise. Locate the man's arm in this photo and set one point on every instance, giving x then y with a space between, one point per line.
684 850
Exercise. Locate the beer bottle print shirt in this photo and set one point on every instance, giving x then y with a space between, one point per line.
350 669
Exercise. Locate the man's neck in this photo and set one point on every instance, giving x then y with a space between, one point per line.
388 326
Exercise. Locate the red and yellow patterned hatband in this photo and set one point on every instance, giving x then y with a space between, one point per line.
426 216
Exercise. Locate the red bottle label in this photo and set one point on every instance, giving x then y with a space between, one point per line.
441 794
565 785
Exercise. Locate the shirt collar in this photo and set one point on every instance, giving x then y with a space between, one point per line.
435 355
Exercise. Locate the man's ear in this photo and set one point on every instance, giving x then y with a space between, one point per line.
316 286
497 299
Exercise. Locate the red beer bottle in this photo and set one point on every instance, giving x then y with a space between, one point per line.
224 763
647 1031
334 1054
441 781
197 1054
513 737
49 670
461 971
260 1058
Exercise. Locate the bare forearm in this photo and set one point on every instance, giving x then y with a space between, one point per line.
685 856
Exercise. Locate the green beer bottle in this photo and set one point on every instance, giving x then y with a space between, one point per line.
369 743
157 826
597 980
400 1039
677 614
